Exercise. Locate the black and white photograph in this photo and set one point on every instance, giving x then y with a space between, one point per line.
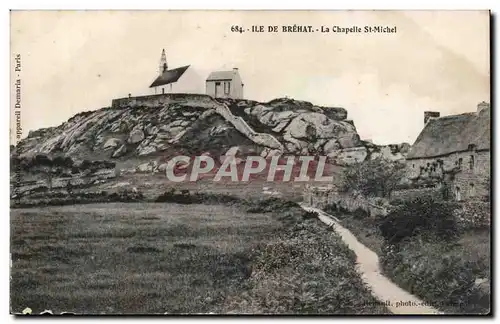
250 162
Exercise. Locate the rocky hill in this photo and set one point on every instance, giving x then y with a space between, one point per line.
165 125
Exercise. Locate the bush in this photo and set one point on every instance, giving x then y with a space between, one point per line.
270 205
305 270
437 272
309 215
186 197
127 195
419 216
174 196
377 177
59 198
360 213
330 209
215 198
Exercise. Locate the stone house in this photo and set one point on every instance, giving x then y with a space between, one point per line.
455 151
225 84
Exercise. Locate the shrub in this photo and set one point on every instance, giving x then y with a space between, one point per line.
360 213
377 177
305 270
214 198
168 196
126 195
419 216
330 208
309 215
436 272
57 198
185 197
184 245
270 205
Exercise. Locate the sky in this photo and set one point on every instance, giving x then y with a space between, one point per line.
75 61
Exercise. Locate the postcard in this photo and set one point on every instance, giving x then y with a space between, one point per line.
184 162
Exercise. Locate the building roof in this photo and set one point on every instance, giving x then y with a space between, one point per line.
449 134
169 76
221 75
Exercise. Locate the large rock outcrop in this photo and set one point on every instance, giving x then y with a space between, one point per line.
196 124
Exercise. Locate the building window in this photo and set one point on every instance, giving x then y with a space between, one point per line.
413 165
471 147
471 162
227 87
472 190
460 162
458 197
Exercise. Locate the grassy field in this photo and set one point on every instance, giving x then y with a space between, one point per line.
140 258
254 257
153 184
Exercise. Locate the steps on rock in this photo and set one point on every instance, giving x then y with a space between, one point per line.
241 125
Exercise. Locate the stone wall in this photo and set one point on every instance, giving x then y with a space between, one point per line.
473 214
468 214
154 101
321 197
471 178
409 194
473 182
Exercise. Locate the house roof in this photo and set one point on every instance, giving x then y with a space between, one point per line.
169 76
454 133
221 75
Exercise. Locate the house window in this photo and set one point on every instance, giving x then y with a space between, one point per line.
472 147
471 162
458 197
413 165
472 190
460 162
227 87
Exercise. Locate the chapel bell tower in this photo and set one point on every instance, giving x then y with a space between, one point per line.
163 62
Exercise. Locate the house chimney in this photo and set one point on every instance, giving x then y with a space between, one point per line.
430 114
482 105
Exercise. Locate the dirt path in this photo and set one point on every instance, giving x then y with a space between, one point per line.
397 300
